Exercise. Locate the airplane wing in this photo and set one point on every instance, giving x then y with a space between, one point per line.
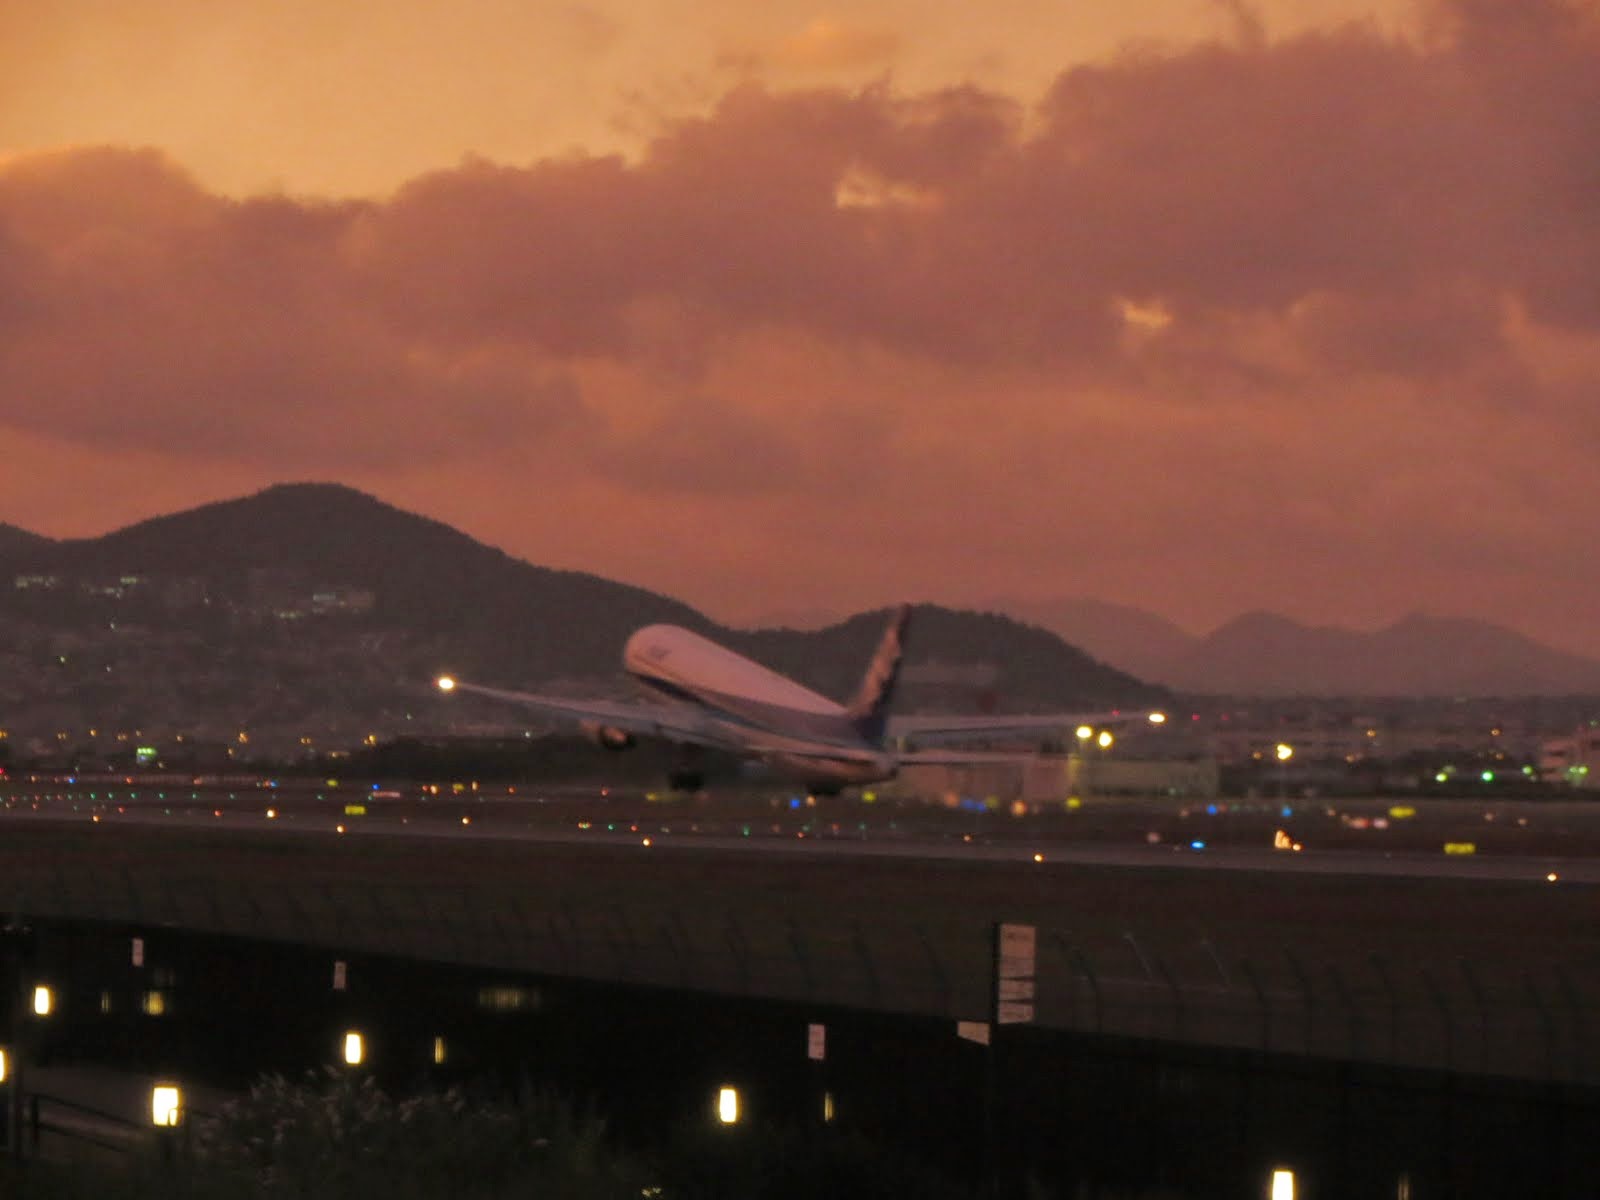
641 720
973 728
665 721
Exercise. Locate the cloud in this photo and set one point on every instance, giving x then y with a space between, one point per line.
1319 307
823 46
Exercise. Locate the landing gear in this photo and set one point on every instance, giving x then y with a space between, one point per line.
687 772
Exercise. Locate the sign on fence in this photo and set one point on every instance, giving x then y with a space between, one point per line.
1014 974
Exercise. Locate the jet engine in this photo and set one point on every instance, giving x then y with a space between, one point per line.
606 737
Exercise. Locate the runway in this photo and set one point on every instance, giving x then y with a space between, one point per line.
1140 835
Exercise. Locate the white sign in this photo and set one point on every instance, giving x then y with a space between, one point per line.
816 1042
1018 991
1009 1013
973 1031
1014 974
138 952
1016 951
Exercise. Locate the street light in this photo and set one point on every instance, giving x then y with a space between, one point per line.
166 1105
728 1105
1284 752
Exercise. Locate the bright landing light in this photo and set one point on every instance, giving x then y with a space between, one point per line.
446 683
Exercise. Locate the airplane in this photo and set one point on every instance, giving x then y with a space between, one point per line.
704 695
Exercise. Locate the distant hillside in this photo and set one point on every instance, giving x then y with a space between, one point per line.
14 541
434 597
1265 654
1032 667
426 576
1119 635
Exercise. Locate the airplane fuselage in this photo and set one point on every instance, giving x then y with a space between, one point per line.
802 733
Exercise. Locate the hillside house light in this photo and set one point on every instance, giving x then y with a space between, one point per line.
166 1105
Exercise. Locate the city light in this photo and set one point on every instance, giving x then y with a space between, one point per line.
166 1105
1284 751
1105 739
354 1049
1282 1185
43 1001
446 684
728 1105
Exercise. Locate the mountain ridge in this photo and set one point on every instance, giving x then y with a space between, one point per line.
442 599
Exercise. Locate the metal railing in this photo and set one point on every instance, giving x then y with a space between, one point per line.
1394 1000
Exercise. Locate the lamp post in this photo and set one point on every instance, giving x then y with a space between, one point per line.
1081 785
1284 752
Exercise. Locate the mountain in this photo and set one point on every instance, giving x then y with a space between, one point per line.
1120 635
1266 654
425 576
1005 663
14 541
312 605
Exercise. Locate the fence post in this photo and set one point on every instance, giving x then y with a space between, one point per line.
1575 1007
798 945
941 980
1249 974
867 965
1382 969
1216 960
1094 989
1308 996
1546 1025
1437 995
740 949
1483 1014
1352 1014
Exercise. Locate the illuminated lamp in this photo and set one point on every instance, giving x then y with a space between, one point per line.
44 1001
354 1049
166 1105
728 1105
1282 1184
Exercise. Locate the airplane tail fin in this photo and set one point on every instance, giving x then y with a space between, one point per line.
869 710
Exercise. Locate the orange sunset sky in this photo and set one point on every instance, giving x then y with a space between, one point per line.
1197 305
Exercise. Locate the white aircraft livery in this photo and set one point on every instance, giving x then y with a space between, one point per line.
705 695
